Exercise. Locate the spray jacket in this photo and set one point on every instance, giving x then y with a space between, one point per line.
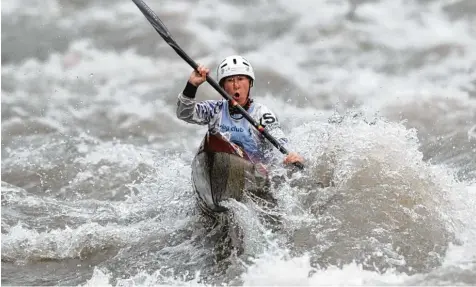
216 114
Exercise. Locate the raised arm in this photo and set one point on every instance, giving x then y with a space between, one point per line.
190 110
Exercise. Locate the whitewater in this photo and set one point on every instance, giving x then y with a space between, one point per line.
378 96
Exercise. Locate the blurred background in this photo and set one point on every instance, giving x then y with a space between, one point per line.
379 96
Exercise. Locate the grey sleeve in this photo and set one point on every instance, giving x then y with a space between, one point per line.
269 120
195 112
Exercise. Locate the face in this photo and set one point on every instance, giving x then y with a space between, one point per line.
238 87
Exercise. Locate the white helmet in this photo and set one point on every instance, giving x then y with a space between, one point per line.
235 65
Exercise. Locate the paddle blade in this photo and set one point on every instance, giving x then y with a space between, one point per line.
154 20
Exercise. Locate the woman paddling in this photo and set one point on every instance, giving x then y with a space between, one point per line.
236 76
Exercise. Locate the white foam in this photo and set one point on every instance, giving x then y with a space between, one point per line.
23 244
282 270
102 278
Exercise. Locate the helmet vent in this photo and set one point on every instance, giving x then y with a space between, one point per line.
234 61
224 65
246 64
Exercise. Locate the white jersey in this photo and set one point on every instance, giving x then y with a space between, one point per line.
215 114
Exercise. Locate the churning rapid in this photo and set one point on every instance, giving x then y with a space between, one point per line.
378 96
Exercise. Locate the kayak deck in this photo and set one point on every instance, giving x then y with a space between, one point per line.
221 170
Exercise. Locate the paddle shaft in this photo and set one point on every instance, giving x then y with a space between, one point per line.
163 31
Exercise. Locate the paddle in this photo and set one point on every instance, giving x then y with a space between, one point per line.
162 30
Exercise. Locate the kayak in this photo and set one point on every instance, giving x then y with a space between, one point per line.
221 170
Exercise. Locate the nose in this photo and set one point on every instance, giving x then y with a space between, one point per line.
236 83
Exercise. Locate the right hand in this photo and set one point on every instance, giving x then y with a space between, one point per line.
293 157
199 76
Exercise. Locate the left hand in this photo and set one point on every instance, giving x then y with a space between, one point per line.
293 157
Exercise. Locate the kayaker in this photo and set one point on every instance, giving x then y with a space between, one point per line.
236 76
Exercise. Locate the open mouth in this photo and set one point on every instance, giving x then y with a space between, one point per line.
236 95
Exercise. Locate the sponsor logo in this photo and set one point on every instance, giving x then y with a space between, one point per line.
267 118
225 128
